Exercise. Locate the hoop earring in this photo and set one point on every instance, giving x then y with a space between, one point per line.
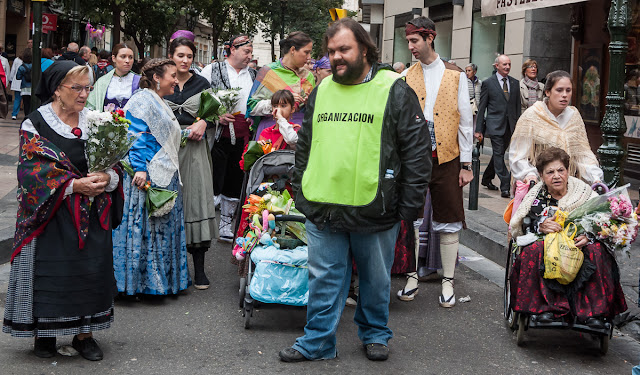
61 103
158 86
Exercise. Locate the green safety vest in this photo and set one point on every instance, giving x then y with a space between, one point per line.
344 161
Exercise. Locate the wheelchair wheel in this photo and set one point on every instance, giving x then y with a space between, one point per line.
509 315
522 325
604 344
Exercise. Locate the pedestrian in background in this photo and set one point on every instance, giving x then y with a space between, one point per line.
118 85
150 252
103 66
71 54
47 58
475 86
531 90
4 61
632 93
195 159
61 280
14 85
24 75
321 69
340 192
500 99
399 67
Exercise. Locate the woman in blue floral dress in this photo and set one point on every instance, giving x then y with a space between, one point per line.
149 252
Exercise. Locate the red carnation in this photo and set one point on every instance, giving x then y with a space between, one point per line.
77 132
120 112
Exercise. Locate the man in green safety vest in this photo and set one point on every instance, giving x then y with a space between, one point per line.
363 162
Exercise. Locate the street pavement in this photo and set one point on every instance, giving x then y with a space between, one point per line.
201 332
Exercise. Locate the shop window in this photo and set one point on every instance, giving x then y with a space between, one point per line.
487 42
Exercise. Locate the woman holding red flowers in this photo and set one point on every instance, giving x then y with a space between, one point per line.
61 280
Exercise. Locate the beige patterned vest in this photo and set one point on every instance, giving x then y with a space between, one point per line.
446 117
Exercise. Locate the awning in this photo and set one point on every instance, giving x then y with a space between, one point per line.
496 7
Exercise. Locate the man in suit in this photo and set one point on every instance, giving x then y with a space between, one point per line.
498 113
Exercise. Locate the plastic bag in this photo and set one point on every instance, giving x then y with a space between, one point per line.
562 259
281 276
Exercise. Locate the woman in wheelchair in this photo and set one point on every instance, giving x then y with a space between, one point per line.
595 295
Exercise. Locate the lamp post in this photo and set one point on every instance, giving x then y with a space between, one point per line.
613 124
37 49
191 18
74 16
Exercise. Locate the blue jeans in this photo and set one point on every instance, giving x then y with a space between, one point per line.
329 279
16 103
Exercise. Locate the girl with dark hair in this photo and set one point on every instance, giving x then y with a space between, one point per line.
149 251
553 123
283 134
195 159
116 86
288 73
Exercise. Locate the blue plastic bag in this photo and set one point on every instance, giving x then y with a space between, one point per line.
281 275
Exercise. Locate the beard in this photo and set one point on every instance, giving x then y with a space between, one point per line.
353 71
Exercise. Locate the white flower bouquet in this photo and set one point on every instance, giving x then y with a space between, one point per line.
229 100
109 139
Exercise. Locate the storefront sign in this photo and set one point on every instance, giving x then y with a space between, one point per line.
17 7
496 7
49 22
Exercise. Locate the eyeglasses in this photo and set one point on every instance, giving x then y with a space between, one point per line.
79 89
532 66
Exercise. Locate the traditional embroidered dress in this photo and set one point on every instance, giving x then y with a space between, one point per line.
149 253
112 89
271 78
195 167
596 291
61 280
538 129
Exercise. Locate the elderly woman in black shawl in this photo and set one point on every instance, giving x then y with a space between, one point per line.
61 280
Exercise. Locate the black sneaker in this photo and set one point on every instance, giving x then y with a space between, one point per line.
44 347
291 355
88 348
377 352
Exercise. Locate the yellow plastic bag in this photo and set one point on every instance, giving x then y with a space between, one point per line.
562 259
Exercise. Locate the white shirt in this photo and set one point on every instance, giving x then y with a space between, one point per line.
240 79
501 82
120 87
15 83
5 66
520 149
433 74
64 130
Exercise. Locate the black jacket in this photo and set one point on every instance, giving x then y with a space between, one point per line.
73 56
501 114
405 147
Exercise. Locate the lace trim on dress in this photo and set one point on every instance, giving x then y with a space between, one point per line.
64 130
163 125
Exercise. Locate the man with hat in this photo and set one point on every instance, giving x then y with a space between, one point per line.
444 97
227 145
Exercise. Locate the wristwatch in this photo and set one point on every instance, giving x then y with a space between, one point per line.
466 167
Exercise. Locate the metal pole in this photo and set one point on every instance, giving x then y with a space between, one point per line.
37 48
613 124
474 186
74 16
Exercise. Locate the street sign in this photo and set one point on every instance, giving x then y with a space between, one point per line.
49 22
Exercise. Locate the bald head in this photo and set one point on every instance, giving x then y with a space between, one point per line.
73 47
503 65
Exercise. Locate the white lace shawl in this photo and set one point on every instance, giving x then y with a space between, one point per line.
578 192
150 108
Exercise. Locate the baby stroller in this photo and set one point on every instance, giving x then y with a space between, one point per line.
274 273
520 322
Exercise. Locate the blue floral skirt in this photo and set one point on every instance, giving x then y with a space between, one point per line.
150 253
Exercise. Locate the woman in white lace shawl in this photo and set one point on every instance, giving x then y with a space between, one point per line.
553 123
149 252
